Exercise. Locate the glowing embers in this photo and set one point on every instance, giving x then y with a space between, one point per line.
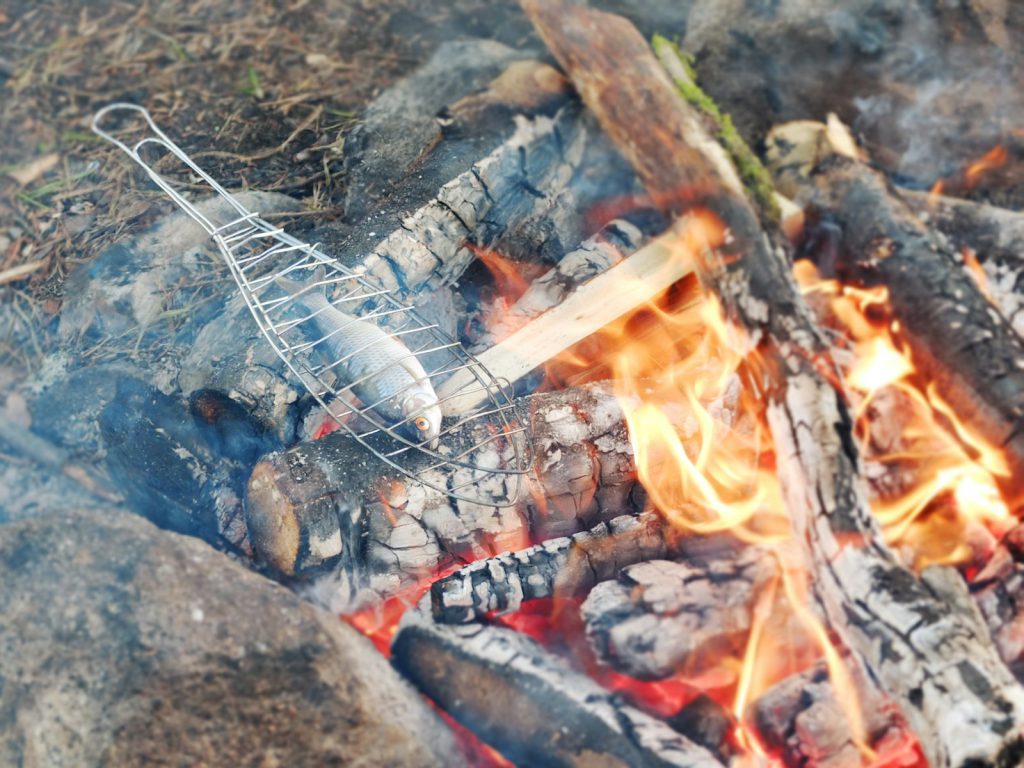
933 477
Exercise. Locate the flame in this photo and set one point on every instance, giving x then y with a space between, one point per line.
993 159
704 455
954 467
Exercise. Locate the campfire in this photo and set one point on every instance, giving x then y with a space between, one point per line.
817 448
772 404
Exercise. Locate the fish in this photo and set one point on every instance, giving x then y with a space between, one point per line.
374 365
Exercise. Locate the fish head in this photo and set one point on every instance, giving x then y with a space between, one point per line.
421 418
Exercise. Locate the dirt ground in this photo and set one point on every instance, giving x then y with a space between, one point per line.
261 94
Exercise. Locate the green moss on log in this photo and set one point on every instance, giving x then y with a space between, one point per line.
752 173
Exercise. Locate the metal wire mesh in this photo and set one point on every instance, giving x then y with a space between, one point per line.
368 359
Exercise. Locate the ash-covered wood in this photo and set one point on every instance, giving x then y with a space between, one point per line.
358 531
661 617
564 567
529 704
959 342
429 249
920 637
994 235
802 718
606 248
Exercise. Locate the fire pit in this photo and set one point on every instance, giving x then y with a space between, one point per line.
741 483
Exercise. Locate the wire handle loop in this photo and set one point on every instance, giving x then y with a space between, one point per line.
278 277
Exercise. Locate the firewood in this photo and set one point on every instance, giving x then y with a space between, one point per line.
998 591
920 637
482 673
629 284
566 567
354 531
429 249
662 617
957 339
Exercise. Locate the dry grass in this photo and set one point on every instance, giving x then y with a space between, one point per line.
261 93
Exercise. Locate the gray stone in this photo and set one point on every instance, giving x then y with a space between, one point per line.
121 644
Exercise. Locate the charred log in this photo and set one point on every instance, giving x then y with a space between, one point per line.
879 609
481 673
998 591
660 617
566 567
706 722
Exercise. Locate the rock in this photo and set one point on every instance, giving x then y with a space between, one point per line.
397 129
124 645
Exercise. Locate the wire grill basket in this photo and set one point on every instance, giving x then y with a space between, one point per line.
367 358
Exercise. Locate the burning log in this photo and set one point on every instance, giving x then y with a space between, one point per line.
603 299
921 638
994 237
481 673
660 617
566 567
959 343
328 506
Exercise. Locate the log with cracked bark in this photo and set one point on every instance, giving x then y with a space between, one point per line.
958 340
564 567
661 617
921 637
481 673
353 531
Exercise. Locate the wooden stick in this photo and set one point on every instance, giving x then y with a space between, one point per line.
921 638
633 282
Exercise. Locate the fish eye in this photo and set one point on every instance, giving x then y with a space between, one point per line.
422 423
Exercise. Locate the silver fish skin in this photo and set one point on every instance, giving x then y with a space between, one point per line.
381 371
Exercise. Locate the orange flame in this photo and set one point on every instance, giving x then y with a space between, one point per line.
954 469
967 179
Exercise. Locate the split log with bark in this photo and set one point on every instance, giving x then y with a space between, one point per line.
959 342
921 637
